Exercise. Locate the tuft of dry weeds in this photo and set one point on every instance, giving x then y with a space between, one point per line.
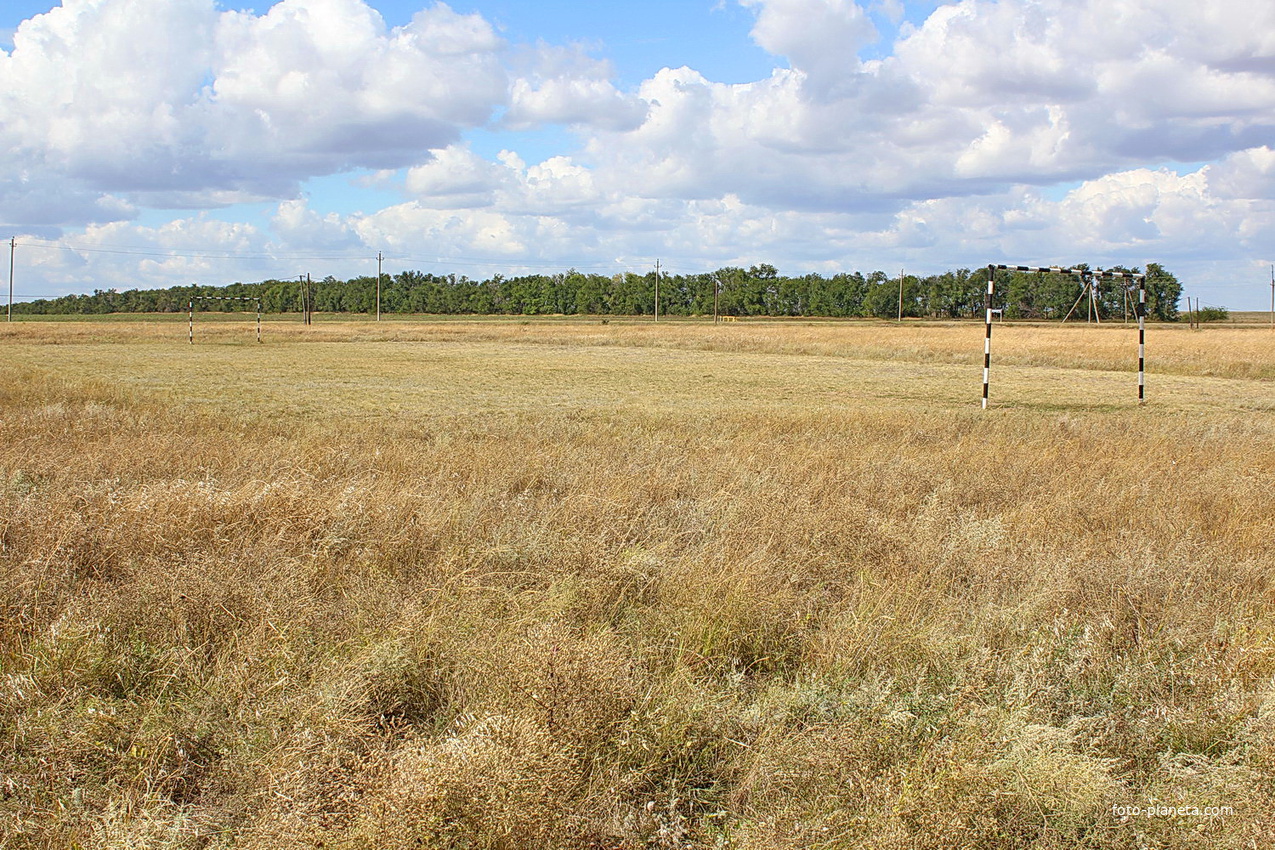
448 586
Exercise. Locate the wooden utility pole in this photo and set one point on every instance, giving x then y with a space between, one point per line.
900 296
13 245
304 282
657 290
378 286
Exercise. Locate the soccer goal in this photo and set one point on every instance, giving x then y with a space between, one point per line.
1088 280
256 301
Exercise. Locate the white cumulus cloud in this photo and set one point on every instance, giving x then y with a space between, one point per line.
174 102
563 85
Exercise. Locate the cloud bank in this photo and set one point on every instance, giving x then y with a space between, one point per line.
1020 130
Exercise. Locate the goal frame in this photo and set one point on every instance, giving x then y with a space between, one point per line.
255 300
1141 310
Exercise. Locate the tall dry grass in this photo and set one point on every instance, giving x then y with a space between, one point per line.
891 625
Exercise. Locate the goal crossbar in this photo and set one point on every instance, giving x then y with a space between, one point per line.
1070 270
1141 310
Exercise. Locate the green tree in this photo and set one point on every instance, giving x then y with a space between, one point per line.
882 299
1163 293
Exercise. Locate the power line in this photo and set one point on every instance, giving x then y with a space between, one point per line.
490 263
178 255
50 297
135 251
486 262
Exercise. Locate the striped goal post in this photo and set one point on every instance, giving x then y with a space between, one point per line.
256 301
1141 310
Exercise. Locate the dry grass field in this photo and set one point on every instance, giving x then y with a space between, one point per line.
505 585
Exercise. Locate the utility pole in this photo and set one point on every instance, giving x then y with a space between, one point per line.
900 296
378 286
13 245
1272 294
303 281
657 290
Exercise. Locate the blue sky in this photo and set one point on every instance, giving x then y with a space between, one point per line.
154 142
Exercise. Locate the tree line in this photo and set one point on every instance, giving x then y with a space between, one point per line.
757 291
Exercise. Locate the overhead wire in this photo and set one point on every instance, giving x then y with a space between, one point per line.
129 250
180 255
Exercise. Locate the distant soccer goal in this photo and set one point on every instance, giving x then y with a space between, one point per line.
1088 280
256 301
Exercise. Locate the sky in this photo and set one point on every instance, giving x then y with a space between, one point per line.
152 143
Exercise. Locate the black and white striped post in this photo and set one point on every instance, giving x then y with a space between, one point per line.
1142 339
987 340
987 306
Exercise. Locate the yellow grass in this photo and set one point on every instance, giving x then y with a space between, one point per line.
491 584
